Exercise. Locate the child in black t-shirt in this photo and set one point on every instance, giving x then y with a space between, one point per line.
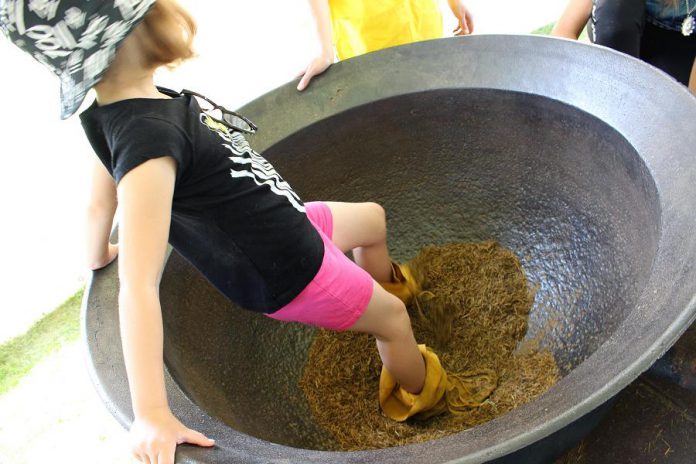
183 175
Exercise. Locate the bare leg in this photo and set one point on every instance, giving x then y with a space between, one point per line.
386 318
361 227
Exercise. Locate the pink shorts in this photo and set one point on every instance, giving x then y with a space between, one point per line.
339 293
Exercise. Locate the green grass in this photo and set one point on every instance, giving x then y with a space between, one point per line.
20 354
544 30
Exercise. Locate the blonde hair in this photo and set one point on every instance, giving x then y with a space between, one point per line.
170 31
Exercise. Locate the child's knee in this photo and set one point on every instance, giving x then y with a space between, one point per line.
397 323
378 217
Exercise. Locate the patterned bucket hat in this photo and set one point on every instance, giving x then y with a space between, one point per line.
76 39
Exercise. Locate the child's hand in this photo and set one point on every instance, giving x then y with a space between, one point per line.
316 67
464 16
154 437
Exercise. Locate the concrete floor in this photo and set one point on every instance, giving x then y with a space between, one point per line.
652 421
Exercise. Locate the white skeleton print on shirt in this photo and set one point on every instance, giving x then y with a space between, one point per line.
250 163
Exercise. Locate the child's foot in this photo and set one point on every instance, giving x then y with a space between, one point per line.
441 392
402 284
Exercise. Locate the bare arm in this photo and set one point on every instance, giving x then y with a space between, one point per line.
573 19
100 217
322 19
145 195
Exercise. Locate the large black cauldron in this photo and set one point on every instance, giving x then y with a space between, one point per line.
579 159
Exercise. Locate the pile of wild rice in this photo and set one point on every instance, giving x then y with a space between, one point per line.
474 321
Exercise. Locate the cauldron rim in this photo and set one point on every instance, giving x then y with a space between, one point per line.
502 63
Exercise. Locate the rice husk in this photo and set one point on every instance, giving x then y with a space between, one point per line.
473 314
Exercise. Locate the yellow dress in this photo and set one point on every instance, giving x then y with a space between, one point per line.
362 26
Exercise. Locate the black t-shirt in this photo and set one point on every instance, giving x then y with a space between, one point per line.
233 217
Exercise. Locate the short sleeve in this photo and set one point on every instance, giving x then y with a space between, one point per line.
146 138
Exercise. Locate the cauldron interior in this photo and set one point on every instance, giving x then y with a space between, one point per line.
562 189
